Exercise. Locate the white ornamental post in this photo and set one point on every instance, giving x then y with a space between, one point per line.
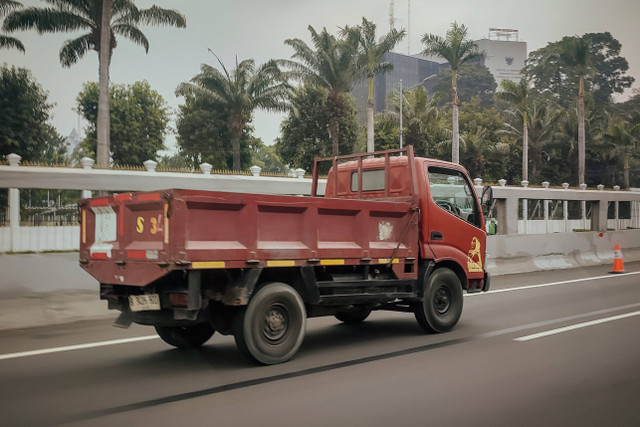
87 164
14 207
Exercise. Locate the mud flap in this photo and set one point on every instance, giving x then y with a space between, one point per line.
124 320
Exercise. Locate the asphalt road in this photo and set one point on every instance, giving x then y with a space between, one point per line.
532 352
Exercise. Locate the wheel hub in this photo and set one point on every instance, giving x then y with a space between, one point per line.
276 323
442 300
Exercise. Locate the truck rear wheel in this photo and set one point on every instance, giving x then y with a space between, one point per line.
186 336
441 307
271 328
355 315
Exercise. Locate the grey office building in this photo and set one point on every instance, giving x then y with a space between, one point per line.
412 70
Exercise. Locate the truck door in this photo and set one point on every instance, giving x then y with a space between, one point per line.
454 220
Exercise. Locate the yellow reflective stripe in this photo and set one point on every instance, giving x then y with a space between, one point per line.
386 261
166 223
84 226
281 263
208 264
332 262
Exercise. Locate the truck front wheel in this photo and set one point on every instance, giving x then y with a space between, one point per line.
441 307
185 336
271 328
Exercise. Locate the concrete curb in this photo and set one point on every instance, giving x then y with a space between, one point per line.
44 309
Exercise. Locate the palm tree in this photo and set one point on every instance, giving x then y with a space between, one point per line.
542 120
330 64
7 6
518 94
456 50
102 21
622 138
420 118
575 51
240 92
369 60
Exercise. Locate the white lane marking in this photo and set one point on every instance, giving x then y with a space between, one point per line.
75 347
576 326
544 285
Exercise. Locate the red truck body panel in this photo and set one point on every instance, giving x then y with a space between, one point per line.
133 239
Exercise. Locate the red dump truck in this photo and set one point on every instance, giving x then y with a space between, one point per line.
392 232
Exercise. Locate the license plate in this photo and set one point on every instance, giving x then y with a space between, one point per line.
147 302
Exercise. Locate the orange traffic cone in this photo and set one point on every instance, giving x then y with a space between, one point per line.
618 264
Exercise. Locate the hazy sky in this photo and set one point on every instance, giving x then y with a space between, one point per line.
257 29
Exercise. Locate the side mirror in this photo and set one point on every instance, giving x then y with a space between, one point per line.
486 200
487 196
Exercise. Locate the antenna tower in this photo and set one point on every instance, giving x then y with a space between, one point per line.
392 20
408 27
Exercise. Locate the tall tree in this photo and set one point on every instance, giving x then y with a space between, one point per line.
330 64
456 49
542 121
549 73
421 121
622 137
575 53
304 130
241 91
485 150
518 95
103 21
370 62
474 81
7 6
139 117
24 116
203 134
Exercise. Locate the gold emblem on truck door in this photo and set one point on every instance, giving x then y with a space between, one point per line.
474 261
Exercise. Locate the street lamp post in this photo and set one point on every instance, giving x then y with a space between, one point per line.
402 98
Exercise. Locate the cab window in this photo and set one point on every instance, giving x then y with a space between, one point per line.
452 192
372 180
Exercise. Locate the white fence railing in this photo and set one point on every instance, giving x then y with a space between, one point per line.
510 207
40 239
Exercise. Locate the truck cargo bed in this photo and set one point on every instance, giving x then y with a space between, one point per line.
186 229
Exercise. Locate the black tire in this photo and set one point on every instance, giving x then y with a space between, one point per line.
271 328
191 336
441 307
355 315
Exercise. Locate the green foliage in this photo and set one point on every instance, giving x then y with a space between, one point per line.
422 122
266 156
174 161
7 6
139 118
24 113
331 64
239 92
86 15
486 150
372 49
596 56
455 48
203 134
474 81
305 130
